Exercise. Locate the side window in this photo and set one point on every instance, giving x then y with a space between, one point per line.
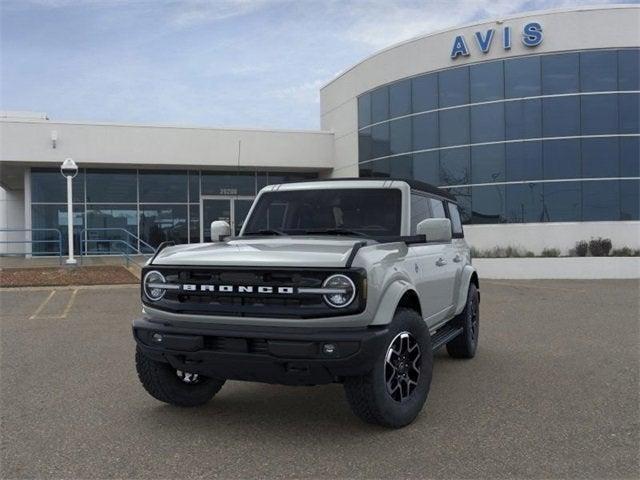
456 223
419 211
437 208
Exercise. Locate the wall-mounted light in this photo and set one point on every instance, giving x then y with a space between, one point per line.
54 138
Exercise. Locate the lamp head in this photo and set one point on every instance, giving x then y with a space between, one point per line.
69 168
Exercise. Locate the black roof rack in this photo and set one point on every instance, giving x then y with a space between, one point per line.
414 184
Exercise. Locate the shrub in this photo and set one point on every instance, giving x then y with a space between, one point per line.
550 252
581 249
624 252
600 247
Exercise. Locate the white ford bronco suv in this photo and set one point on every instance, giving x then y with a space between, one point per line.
355 281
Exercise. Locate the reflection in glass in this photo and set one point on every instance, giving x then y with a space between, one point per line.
560 73
630 200
400 135
214 210
561 159
487 123
55 216
163 186
599 71
400 98
601 200
194 186
365 145
599 114
380 140
629 112
523 161
454 127
109 186
630 157
454 166
600 157
380 104
522 77
426 167
487 163
364 110
425 131
523 119
561 116
424 92
629 69
488 204
48 185
454 87
487 81
160 223
194 223
116 219
524 203
401 166
562 201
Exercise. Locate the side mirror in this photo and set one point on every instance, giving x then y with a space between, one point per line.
219 230
435 229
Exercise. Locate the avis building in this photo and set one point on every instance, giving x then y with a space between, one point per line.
532 122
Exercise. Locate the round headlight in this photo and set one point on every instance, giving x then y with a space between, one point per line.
151 288
345 291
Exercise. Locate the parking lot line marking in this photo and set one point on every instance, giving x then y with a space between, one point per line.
528 286
69 304
42 305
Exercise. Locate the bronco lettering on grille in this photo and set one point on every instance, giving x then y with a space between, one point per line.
191 287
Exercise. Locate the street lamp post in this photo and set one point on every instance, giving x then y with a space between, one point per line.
69 169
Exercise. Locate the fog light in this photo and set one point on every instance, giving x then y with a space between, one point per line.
157 338
329 348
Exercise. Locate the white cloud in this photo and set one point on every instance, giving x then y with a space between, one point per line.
193 12
378 23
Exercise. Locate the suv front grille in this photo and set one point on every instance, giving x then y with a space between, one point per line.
234 303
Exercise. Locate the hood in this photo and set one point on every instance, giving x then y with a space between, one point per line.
263 252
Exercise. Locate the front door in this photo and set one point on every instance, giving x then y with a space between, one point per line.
231 210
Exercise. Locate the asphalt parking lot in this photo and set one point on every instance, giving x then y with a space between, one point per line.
552 393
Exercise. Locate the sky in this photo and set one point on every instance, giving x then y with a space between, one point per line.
218 63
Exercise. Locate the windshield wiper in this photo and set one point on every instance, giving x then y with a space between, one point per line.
337 231
266 232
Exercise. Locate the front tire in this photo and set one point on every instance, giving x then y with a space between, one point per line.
466 344
174 387
393 393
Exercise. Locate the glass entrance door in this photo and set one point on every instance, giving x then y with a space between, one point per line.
231 210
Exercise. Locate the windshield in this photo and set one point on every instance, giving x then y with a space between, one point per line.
366 212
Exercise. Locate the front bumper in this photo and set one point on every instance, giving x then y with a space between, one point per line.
289 356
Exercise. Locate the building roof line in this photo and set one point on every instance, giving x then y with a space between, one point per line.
168 126
476 23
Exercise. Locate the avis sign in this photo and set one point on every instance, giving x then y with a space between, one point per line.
531 37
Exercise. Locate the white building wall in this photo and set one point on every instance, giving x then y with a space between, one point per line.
119 145
11 217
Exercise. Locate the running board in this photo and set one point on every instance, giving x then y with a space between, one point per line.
444 335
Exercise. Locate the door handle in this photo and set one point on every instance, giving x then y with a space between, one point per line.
457 259
441 262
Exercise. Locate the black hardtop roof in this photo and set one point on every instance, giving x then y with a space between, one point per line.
414 184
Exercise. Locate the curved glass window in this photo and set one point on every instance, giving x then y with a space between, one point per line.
552 131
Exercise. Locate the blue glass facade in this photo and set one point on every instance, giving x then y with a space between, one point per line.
542 138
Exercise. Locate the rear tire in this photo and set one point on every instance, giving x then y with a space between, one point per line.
466 344
165 383
393 393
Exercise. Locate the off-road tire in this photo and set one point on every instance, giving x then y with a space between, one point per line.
466 344
368 396
162 383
